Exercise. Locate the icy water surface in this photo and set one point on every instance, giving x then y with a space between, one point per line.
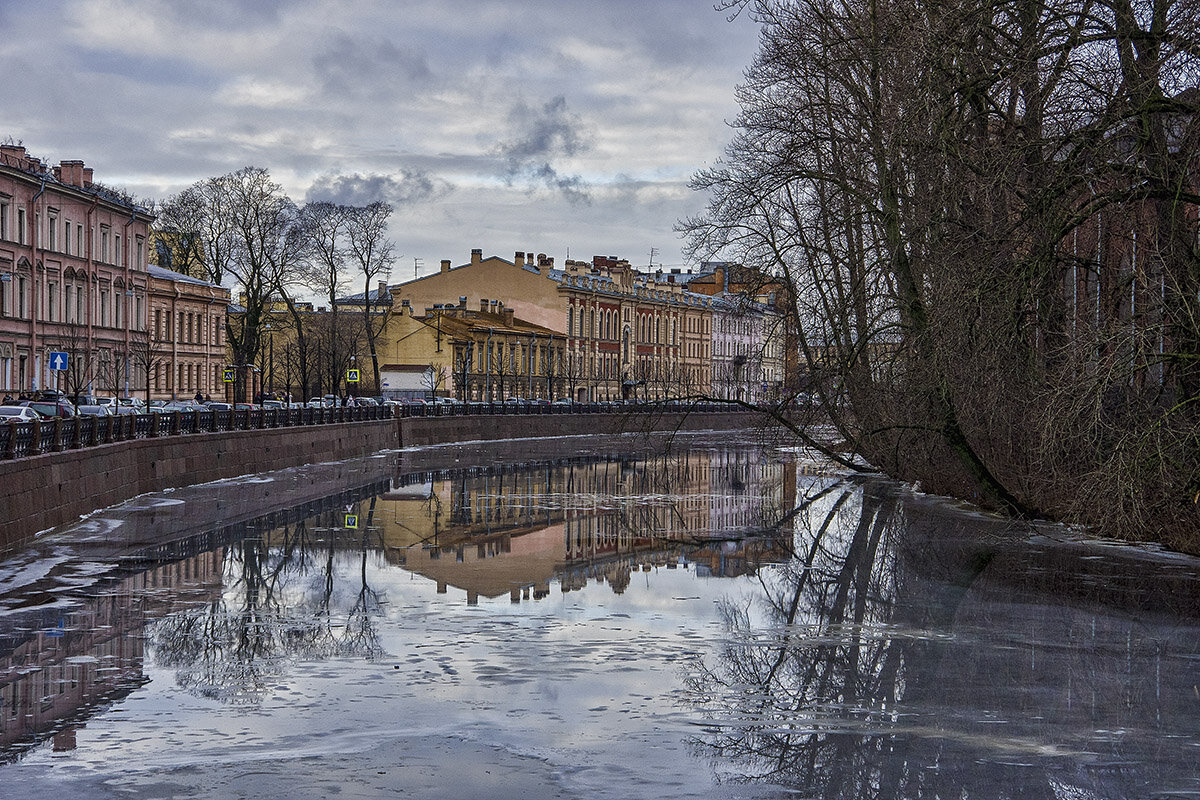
572 619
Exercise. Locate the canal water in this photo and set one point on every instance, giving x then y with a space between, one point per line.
626 617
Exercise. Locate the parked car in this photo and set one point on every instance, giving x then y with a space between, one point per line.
272 404
18 414
94 410
245 407
216 405
50 409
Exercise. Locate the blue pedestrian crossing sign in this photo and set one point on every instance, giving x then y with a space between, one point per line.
229 375
352 520
352 376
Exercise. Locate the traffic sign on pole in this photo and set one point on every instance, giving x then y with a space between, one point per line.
352 376
229 378
58 360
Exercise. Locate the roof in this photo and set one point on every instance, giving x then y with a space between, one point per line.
162 273
374 297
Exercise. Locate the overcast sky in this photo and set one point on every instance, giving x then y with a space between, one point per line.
539 125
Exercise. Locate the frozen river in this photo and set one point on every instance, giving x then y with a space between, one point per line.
616 618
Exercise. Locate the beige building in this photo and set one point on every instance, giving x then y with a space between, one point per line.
624 333
185 354
485 353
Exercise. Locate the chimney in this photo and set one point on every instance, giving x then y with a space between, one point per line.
446 265
462 302
87 177
381 290
508 316
70 173
483 305
519 258
13 153
476 255
495 304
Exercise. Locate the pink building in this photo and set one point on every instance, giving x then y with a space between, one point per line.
73 280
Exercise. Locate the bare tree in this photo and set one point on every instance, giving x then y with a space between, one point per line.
372 252
984 219
434 379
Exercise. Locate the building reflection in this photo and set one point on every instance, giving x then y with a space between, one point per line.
517 530
226 607
74 641
59 666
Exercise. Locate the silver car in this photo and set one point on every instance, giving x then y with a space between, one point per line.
18 414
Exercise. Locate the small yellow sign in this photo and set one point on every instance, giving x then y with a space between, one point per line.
352 376
352 520
229 375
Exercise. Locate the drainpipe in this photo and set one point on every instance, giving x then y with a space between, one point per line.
33 285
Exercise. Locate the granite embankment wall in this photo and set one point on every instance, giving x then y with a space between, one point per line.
45 491
49 490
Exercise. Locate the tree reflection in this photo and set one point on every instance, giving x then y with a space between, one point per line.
811 686
281 604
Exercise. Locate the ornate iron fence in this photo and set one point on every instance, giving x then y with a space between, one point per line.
24 439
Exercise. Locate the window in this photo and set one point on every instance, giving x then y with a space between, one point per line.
140 253
118 256
67 236
79 240
4 233
52 302
79 304
53 229
104 302
21 297
21 226
105 234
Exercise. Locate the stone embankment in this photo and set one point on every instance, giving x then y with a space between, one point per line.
52 489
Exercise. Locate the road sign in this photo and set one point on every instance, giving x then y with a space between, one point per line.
58 360
229 374
352 376
352 520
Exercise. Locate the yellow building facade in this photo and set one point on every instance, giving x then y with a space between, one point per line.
608 331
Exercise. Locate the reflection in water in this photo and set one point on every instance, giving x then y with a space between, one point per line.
229 608
495 531
868 643
911 651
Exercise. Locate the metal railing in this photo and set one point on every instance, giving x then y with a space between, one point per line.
25 439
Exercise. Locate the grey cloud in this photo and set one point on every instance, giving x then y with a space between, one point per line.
545 134
405 188
373 67
228 14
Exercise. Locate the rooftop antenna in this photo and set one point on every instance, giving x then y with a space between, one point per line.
417 262
653 253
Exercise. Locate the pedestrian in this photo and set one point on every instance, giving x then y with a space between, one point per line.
199 397
343 401
8 399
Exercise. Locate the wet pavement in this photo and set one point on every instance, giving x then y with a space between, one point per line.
629 617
